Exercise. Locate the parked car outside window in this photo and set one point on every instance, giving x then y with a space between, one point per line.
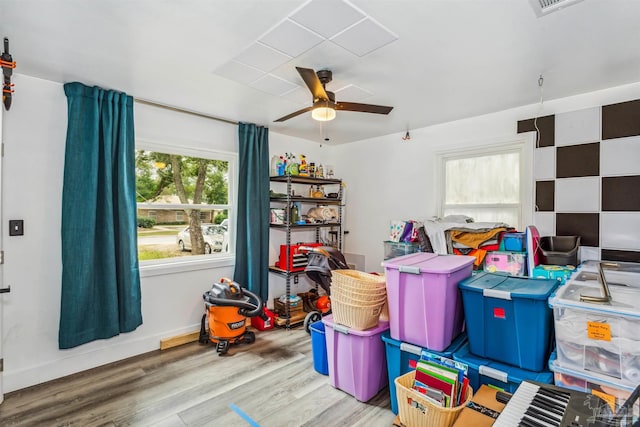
215 238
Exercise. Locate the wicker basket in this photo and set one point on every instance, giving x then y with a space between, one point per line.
416 411
357 302
355 316
364 298
357 280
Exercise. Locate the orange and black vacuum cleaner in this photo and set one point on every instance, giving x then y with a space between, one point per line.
227 307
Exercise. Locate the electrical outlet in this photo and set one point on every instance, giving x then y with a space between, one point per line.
16 227
295 280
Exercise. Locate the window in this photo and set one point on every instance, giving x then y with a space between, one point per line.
183 196
487 184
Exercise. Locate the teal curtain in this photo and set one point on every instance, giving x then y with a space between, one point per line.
100 275
252 238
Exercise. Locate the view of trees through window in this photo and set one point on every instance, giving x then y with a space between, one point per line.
183 205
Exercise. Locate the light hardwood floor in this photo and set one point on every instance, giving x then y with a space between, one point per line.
271 381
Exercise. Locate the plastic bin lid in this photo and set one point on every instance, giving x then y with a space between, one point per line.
317 327
616 273
423 262
382 326
586 375
455 345
499 371
508 287
625 300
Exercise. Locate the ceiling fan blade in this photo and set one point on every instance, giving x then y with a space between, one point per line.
363 108
297 113
313 83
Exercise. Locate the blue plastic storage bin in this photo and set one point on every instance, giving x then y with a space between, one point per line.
508 318
402 358
485 371
319 347
515 242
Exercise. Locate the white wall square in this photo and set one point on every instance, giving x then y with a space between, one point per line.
544 163
620 156
588 253
578 127
578 194
545 223
620 230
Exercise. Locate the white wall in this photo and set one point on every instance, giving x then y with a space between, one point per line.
34 136
388 178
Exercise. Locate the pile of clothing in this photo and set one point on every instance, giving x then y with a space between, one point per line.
458 234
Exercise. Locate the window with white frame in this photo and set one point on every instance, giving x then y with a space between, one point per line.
183 196
485 184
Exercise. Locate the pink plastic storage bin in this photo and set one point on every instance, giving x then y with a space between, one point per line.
425 307
357 360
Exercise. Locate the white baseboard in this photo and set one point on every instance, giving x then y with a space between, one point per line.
110 352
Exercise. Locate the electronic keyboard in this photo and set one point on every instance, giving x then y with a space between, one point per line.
543 405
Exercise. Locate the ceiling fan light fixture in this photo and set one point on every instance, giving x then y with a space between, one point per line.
323 114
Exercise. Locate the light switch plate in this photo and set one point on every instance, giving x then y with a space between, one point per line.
16 227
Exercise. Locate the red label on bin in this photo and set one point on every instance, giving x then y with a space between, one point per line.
413 364
498 312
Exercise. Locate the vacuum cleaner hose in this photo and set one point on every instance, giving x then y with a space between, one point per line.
246 308
257 307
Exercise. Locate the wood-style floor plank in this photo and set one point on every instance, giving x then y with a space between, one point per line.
271 381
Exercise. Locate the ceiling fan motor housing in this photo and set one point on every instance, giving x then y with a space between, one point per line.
325 76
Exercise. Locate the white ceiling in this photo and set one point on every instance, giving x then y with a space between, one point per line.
433 60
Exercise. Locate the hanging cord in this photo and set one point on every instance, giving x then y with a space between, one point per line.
535 119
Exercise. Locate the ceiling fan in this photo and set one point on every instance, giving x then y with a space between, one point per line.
324 102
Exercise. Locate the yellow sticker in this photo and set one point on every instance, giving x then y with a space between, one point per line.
611 400
599 331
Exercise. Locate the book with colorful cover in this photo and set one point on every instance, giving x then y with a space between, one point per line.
440 378
443 374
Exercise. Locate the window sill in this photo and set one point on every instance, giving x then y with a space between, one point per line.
162 267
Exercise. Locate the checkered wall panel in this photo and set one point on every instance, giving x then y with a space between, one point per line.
587 178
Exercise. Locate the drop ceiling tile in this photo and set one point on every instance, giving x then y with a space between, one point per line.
352 93
300 96
273 85
327 17
364 37
291 38
239 72
262 57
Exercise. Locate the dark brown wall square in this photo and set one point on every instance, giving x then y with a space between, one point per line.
621 120
621 193
578 160
585 225
546 126
614 255
545 196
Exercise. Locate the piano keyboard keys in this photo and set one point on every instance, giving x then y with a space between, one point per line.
534 406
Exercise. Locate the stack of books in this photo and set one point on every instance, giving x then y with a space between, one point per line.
441 380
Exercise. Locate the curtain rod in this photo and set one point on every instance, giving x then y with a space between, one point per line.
182 110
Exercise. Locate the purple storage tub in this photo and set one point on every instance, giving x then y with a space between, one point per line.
425 307
357 360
